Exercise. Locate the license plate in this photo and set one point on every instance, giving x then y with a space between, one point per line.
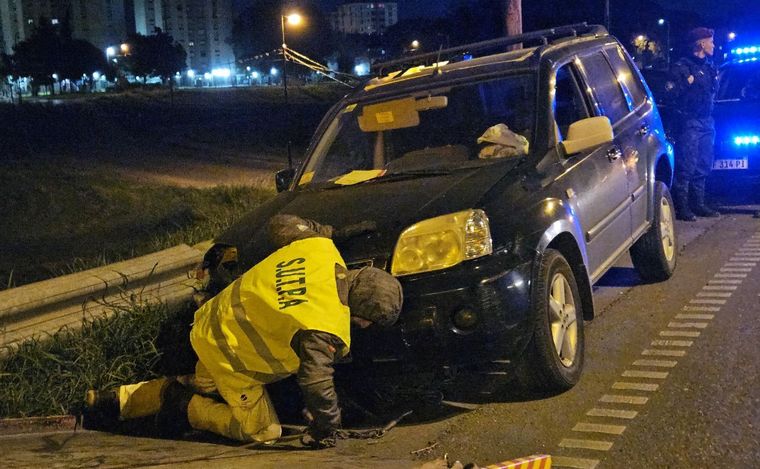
731 164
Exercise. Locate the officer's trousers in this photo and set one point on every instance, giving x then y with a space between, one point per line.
694 159
246 414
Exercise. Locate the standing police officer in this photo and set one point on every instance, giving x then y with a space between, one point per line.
693 82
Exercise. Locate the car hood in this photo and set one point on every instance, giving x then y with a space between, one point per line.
369 217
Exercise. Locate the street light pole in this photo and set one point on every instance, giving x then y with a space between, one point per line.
285 89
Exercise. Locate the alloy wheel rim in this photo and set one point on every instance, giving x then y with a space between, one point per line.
667 230
563 320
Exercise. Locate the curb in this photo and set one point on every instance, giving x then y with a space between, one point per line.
20 426
47 306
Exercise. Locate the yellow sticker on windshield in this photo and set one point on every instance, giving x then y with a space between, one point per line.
385 117
306 178
355 177
350 108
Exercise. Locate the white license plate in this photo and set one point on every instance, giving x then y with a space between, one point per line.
731 164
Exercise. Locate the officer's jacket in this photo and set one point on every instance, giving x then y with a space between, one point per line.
248 327
695 100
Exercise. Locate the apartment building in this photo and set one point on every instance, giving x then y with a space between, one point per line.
202 27
101 22
364 17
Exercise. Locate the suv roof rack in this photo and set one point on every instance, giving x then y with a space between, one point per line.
543 35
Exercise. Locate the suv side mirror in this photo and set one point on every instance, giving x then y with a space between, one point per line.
587 134
283 178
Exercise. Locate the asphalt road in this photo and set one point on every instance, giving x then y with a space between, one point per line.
671 380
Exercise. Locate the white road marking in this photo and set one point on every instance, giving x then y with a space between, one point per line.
664 353
740 264
679 333
730 275
714 294
745 259
702 308
635 386
656 363
645 374
613 413
585 444
599 428
719 287
736 269
673 343
708 302
692 325
575 463
694 316
618 399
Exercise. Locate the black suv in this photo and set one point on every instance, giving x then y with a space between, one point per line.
497 189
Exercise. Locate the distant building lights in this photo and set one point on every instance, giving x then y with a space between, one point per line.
221 72
55 76
255 75
661 21
248 69
731 36
124 48
273 72
96 76
110 51
191 73
207 76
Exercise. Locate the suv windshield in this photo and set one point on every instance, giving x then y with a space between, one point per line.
740 81
426 133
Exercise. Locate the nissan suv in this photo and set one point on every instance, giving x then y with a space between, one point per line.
497 187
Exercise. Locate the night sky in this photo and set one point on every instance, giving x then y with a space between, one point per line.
710 10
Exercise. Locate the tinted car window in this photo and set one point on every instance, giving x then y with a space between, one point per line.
603 82
628 77
441 136
740 81
569 105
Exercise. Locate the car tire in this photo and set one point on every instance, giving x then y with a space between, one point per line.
553 360
655 254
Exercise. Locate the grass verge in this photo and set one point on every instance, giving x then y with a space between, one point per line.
49 375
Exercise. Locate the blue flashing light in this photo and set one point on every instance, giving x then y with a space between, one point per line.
745 140
467 57
749 50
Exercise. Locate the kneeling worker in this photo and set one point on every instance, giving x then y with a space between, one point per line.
289 314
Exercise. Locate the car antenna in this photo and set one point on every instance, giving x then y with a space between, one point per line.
438 59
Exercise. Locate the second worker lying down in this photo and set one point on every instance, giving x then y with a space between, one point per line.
289 314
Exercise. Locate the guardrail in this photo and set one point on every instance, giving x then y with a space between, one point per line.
45 307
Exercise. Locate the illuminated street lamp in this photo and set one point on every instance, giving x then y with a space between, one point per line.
415 44
731 36
110 51
666 23
124 49
293 19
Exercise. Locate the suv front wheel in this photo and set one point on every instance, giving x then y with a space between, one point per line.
654 255
553 360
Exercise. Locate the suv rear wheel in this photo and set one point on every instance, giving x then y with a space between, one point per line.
654 255
553 360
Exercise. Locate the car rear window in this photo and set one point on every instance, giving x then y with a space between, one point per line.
740 81
603 82
626 75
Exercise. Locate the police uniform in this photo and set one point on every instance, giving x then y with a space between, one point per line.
695 133
288 314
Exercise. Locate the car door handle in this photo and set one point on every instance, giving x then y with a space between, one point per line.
643 130
614 153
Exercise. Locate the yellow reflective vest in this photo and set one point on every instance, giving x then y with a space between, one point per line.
247 328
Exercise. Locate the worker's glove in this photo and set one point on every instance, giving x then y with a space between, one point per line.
317 441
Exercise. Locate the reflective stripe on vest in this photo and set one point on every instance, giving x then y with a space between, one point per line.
247 328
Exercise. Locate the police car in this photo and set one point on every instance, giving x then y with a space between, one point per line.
737 120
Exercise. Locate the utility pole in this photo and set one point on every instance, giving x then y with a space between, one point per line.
513 10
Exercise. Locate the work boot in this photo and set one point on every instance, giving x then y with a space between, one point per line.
705 211
698 205
106 401
681 202
172 420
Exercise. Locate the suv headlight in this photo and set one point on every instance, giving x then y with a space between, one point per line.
441 242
